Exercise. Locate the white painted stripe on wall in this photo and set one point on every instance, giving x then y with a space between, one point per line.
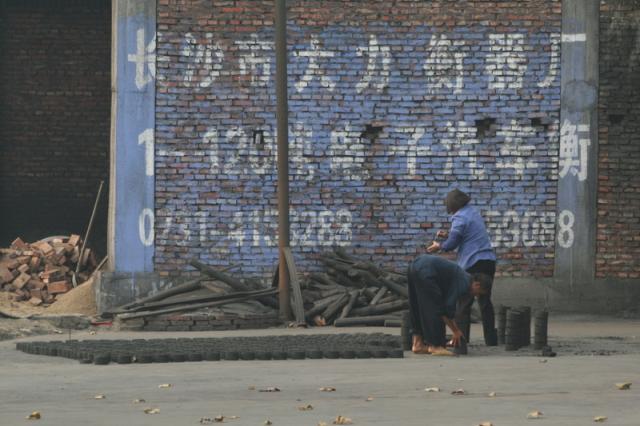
572 38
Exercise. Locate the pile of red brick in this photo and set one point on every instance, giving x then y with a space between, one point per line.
40 271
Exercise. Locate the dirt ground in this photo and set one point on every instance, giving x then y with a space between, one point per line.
594 353
16 328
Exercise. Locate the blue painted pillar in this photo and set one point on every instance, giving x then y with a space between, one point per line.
578 153
131 211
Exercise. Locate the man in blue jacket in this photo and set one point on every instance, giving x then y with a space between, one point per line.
469 235
436 286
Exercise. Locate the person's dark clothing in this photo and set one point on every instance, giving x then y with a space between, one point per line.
435 286
463 311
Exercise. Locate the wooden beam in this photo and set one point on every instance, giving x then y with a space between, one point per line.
296 291
192 307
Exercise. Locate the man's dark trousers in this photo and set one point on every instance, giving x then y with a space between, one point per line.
463 310
426 319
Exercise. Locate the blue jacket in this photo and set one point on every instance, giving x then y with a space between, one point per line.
469 235
443 280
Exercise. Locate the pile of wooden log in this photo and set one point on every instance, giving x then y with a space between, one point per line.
214 288
40 271
353 292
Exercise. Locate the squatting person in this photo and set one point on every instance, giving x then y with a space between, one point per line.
435 287
468 234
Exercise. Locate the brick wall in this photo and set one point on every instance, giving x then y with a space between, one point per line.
618 246
54 115
393 103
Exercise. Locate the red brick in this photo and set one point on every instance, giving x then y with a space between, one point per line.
58 287
5 275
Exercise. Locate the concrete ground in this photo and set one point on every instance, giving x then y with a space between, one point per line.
569 389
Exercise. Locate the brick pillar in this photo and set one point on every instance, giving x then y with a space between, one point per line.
131 215
577 180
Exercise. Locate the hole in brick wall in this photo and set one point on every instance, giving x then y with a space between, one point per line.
371 132
485 127
258 138
540 122
616 118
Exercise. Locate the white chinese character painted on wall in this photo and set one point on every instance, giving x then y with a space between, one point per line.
204 60
460 142
554 63
144 58
301 151
506 61
515 153
255 60
347 154
413 150
444 65
313 70
574 149
379 61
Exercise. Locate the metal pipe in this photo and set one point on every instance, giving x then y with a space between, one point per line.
86 235
282 117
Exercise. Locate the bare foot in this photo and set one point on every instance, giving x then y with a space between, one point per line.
440 351
421 350
418 346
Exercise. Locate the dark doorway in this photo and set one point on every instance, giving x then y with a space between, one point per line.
55 102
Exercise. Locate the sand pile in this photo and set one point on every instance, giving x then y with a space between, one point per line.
80 300
12 309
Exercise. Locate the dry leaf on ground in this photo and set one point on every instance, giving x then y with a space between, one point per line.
486 424
341 420
34 416
492 394
138 401
221 418
165 386
623 386
322 424
251 387
436 389
307 407
327 389
369 399
268 423
458 392
151 410
100 396
270 389
534 415
216 419
600 419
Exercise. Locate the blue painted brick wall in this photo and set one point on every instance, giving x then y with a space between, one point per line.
392 104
